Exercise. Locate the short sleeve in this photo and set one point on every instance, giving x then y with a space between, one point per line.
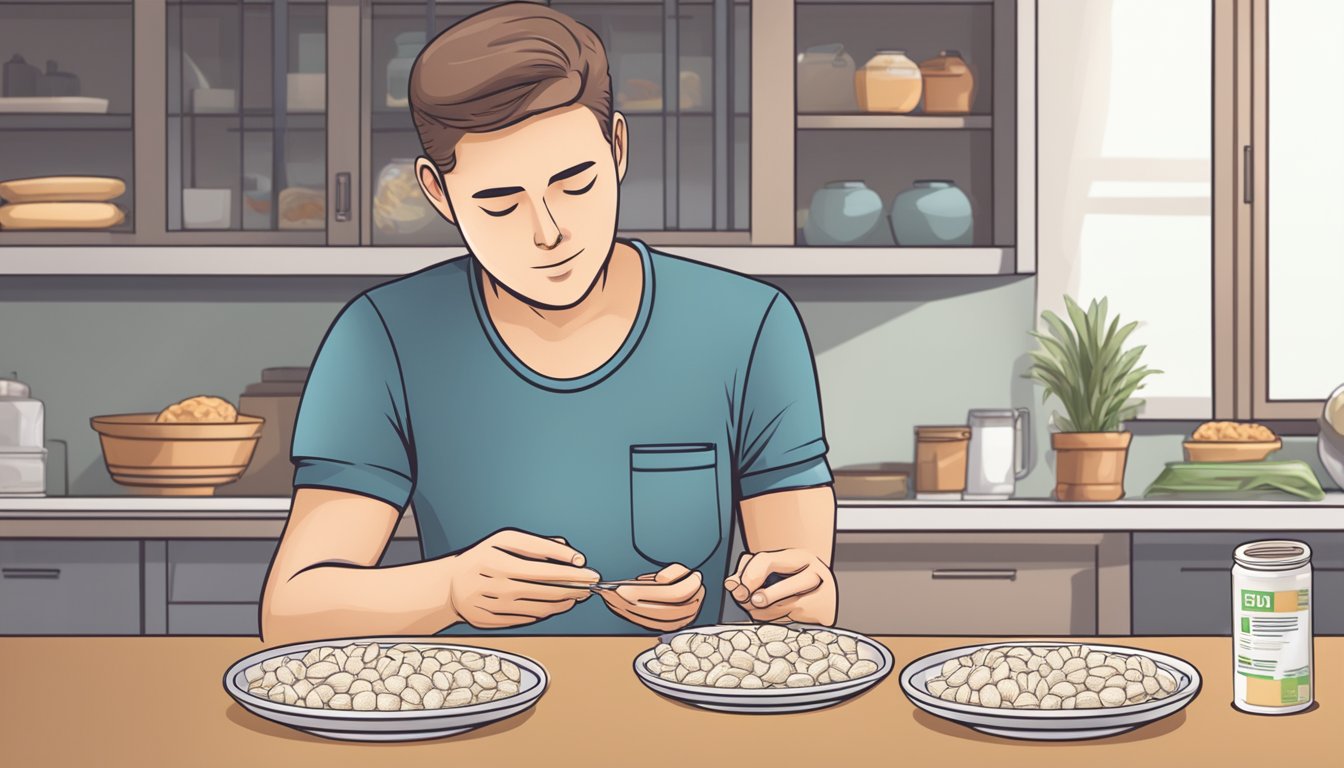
781 443
352 433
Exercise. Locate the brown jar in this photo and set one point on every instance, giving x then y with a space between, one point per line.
940 459
949 84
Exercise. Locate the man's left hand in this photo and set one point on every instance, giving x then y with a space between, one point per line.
805 594
669 602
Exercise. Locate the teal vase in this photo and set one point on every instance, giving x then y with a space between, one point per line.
932 213
842 213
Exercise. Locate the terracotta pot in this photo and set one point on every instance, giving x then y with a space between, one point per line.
948 84
1090 466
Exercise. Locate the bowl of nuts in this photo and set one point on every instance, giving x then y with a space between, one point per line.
1049 690
763 669
1221 441
187 449
384 688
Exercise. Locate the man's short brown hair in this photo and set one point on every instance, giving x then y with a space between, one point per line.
501 66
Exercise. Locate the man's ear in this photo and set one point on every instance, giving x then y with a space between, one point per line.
620 144
429 178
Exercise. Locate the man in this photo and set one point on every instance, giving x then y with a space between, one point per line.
558 406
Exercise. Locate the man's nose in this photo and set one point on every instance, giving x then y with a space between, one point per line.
545 231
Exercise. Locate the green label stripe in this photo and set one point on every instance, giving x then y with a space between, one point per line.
1246 624
1255 600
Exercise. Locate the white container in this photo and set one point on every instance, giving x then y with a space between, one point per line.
21 417
999 454
1271 627
23 472
206 208
213 100
306 92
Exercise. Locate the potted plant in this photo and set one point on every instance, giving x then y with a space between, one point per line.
1085 367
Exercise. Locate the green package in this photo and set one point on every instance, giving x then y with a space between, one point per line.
1252 480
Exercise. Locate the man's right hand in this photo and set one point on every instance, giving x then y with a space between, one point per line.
496 583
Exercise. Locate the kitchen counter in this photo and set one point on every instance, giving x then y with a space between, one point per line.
159 701
239 517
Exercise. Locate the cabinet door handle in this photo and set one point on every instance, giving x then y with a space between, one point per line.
999 574
31 573
343 196
1247 175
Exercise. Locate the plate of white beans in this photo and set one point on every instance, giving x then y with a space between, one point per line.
1049 689
385 688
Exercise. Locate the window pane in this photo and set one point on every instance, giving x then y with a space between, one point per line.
1306 230
1133 121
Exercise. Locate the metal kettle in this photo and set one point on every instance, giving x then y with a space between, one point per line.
1000 452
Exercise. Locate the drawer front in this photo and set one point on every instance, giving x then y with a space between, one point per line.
69 587
214 619
234 570
965 585
1182 583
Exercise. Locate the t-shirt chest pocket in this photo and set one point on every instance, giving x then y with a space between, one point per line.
674 502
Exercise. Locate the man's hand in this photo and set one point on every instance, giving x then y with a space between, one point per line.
670 601
806 593
496 583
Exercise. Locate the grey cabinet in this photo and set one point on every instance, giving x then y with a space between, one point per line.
58 587
1182 582
975 584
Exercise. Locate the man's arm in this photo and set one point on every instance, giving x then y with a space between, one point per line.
790 533
323 581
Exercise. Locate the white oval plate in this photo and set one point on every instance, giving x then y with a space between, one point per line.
386 726
1055 724
767 701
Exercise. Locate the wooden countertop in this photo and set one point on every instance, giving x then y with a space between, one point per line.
159 701
242 517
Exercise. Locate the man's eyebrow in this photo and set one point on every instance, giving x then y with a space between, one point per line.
497 192
573 170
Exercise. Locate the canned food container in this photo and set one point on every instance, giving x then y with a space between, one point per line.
1271 633
940 461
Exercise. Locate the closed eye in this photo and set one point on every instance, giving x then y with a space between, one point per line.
504 212
583 190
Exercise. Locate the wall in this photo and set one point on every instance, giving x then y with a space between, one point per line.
891 353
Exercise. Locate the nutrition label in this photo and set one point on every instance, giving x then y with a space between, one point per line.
1274 646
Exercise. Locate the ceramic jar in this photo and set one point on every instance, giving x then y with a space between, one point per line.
949 84
932 213
842 213
889 82
399 68
825 79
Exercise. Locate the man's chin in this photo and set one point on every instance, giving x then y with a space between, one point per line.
562 290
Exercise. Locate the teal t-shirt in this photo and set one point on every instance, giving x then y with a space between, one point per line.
413 398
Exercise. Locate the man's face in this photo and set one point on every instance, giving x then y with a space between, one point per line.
536 202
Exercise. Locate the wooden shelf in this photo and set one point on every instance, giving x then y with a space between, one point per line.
112 260
64 121
895 122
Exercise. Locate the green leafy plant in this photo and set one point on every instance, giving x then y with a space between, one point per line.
1084 367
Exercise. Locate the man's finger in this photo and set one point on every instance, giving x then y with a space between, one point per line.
655 616
524 544
672 573
544 575
776 611
798 584
733 582
676 593
785 562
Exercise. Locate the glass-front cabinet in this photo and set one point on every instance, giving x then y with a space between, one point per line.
247 117
858 130
66 141
679 73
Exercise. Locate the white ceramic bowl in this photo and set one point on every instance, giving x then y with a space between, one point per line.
768 701
1056 724
387 726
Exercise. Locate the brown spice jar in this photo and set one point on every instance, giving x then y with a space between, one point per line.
940 459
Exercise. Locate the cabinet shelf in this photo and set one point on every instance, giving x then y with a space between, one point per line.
115 259
68 121
809 122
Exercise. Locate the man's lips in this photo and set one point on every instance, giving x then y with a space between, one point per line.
562 261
